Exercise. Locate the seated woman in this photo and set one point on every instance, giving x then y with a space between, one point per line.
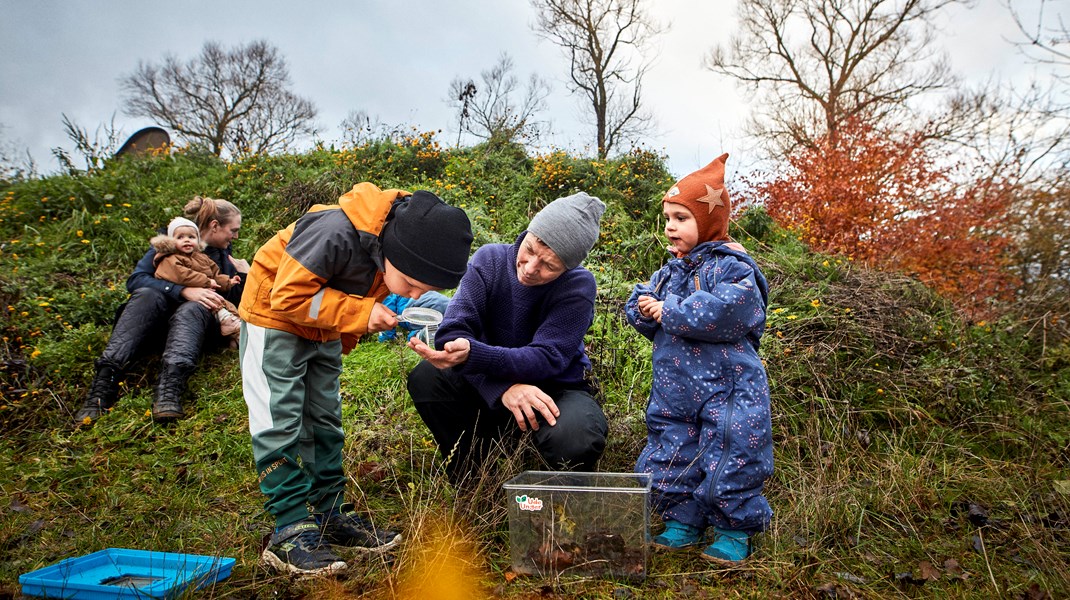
183 317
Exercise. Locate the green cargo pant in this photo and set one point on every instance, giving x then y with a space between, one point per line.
290 386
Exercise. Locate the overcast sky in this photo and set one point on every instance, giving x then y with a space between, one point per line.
394 60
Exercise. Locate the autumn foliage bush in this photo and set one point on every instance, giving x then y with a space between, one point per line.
896 201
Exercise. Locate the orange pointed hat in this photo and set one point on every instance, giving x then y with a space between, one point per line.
704 194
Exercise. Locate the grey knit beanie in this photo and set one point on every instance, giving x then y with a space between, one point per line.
569 226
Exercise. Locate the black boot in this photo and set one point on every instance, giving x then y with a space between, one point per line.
168 404
103 394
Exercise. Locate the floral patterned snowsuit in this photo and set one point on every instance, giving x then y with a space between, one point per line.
709 443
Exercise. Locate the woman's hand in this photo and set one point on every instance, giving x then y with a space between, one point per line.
452 354
525 400
203 296
240 264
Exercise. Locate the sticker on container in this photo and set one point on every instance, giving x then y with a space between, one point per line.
526 503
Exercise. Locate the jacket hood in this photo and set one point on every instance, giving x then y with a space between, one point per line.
367 206
165 246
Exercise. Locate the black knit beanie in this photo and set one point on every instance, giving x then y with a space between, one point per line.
428 240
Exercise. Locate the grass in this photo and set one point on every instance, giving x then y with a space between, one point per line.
917 454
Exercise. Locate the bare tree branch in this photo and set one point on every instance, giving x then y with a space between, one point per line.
606 42
499 111
236 101
820 63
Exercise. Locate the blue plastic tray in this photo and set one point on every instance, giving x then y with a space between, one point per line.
122 573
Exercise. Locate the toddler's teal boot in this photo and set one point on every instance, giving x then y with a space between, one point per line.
728 546
679 535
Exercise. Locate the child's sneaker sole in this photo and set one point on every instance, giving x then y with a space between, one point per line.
369 549
270 560
723 561
665 547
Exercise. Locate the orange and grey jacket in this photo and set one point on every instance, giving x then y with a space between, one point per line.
320 277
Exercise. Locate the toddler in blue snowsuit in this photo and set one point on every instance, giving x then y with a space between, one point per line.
709 445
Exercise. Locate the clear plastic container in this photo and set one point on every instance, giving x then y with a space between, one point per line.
589 524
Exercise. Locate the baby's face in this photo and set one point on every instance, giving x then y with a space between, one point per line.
680 227
187 239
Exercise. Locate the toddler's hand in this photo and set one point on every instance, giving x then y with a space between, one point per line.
650 307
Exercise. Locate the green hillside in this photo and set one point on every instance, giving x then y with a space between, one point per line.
917 454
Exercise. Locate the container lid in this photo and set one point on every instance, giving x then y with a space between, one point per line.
630 483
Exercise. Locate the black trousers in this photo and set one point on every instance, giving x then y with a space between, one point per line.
466 429
150 322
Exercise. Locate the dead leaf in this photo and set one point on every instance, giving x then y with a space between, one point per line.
510 576
1035 593
835 591
953 568
371 471
977 515
928 571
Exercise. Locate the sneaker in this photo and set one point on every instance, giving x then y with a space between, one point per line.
343 527
299 549
728 546
679 535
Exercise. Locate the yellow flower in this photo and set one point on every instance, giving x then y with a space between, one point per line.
815 303
792 317
825 264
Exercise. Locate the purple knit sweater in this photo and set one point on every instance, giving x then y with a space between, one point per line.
519 334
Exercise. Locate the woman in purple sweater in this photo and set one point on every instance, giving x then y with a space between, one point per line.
509 353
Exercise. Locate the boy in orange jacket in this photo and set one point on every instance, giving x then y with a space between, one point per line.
313 290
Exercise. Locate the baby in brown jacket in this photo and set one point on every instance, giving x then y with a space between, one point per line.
180 259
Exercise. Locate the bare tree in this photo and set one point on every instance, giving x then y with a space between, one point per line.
606 41
499 112
820 63
1047 37
238 100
